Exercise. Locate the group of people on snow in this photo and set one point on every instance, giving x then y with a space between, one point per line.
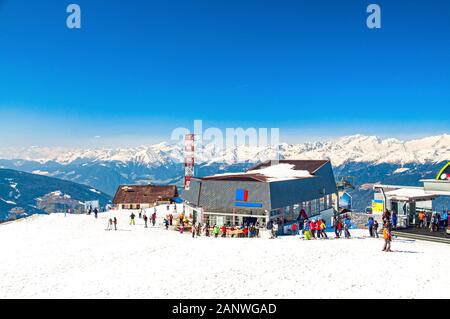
244 231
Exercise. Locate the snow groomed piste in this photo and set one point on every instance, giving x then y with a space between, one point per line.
72 256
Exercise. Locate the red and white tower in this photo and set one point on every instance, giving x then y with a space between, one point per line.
189 163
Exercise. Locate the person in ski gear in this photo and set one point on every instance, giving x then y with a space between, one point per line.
193 230
306 230
132 222
394 219
375 228
166 223
319 228
370 225
335 225
245 231
216 231
199 229
96 212
387 238
224 230
115 223
181 227
140 214
312 228
323 227
145 220
339 226
294 229
421 219
110 224
269 227
170 219
347 228
154 219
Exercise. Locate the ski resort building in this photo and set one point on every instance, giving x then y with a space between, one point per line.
144 196
273 190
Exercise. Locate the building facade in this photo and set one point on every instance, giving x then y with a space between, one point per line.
144 196
276 191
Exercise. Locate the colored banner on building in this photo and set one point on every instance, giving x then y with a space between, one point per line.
377 206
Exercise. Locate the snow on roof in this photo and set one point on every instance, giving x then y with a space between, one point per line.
411 193
274 173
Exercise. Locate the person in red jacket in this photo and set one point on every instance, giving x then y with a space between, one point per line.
312 228
318 228
339 227
245 232
294 228
224 231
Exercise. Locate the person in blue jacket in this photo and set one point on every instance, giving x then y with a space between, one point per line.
370 225
394 219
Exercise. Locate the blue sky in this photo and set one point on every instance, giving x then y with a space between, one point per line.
138 69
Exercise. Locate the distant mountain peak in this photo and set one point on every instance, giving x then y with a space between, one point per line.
353 148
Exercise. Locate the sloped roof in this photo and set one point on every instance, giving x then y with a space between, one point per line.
272 171
135 194
410 194
299 165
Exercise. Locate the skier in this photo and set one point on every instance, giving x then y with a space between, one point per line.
199 228
275 229
323 227
207 229
394 219
375 228
110 224
370 225
140 214
312 228
339 227
336 225
154 219
346 228
181 227
132 222
245 231
90 210
170 219
294 229
95 212
387 238
224 230
319 228
270 229
305 228
115 223
166 223
216 231
145 220
193 230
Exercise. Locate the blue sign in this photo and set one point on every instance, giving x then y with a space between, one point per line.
242 199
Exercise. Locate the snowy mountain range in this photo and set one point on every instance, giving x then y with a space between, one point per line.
368 159
356 148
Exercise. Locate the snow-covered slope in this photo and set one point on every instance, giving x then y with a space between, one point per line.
74 257
356 148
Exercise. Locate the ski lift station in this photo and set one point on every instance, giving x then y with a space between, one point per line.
407 201
273 190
